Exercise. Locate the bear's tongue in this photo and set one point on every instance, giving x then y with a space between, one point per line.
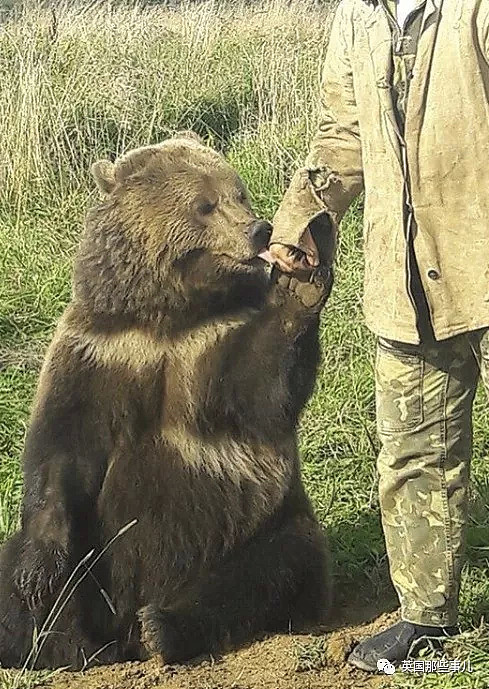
265 255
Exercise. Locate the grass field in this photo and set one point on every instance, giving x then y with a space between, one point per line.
97 78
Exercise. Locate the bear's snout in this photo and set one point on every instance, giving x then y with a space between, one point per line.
259 232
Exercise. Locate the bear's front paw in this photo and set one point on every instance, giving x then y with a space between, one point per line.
169 635
39 571
311 293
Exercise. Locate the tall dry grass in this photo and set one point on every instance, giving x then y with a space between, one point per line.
82 80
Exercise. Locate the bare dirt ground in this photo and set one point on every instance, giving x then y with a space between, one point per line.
279 662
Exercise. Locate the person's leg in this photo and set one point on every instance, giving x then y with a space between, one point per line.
424 415
424 407
480 344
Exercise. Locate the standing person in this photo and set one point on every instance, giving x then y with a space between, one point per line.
405 116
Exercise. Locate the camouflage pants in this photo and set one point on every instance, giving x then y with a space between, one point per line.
424 396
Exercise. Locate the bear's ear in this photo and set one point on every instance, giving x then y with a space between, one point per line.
188 134
103 172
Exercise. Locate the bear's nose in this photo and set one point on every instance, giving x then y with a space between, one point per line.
259 233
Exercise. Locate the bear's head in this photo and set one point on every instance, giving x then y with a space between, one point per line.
174 235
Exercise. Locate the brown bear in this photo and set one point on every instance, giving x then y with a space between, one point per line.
163 509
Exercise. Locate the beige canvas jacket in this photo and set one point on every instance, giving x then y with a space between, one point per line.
444 155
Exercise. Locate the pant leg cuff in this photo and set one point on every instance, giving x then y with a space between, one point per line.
430 618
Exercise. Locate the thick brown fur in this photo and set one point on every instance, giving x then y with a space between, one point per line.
170 395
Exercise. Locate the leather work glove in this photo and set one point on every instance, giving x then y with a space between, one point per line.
294 260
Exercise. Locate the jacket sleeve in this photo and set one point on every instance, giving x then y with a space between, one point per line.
332 174
483 30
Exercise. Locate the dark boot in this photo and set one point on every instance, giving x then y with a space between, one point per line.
396 643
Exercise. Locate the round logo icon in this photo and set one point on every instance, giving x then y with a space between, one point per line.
383 665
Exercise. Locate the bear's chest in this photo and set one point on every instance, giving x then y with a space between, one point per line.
187 423
187 374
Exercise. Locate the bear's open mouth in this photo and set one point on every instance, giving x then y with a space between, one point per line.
255 260
260 260
265 255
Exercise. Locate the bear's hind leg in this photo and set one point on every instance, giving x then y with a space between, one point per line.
277 581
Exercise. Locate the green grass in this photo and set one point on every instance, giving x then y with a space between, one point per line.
104 78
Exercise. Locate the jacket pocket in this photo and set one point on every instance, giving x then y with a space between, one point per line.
399 374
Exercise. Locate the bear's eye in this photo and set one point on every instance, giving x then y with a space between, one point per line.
206 207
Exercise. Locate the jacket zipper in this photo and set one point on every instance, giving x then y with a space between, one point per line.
408 221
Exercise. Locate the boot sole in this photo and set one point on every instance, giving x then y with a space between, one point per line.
361 664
